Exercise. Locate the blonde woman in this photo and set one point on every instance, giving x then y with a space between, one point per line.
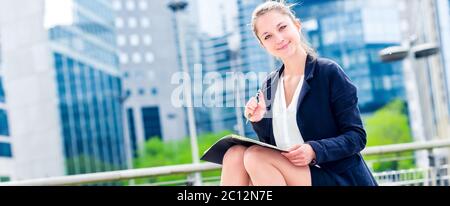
308 106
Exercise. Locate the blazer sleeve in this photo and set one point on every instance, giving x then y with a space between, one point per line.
262 128
344 105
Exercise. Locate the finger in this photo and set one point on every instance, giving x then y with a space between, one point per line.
301 149
251 107
252 102
294 147
300 164
290 155
249 111
295 152
298 160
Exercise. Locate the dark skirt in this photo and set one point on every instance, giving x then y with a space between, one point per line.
321 177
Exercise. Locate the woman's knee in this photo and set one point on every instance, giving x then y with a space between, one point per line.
253 156
234 155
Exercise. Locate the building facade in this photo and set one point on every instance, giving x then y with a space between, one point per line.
351 33
6 155
65 100
147 44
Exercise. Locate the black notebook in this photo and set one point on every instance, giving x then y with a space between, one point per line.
216 152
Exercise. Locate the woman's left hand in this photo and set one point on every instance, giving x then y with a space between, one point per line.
300 154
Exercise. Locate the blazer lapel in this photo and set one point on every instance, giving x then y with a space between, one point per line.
309 74
305 89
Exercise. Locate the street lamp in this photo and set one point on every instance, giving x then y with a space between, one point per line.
397 53
410 52
237 96
176 6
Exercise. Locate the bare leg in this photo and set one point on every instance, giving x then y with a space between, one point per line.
233 170
269 167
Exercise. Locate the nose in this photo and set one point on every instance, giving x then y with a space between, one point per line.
279 39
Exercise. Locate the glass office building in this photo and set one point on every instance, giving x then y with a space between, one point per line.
352 33
89 88
5 145
6 154
63 86
218 57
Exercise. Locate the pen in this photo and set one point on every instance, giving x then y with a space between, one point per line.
257 100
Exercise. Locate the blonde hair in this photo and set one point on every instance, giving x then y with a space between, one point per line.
281 7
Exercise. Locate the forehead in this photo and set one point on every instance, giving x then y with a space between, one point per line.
269 21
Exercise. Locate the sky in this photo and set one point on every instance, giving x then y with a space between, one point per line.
211 15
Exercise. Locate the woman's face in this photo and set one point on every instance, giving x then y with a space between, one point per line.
279 35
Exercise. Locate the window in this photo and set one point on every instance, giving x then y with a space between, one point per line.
131 131
2 92
141 91
117 5
5 150
137 58
152 126
123 58
147 40
130 5
145 23
132 22
121 40
119 22
134 40
143 5
149 57
4 129
154 91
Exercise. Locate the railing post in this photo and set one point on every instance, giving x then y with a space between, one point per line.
432 166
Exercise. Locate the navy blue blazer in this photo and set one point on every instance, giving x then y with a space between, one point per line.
328 119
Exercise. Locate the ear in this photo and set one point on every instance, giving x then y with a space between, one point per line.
298 24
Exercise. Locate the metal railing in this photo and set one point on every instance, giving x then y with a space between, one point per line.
201 167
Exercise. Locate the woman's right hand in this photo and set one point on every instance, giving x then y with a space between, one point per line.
254 110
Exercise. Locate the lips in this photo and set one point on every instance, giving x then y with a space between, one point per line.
283 47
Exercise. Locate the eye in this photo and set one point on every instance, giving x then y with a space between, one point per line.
267 37
282 27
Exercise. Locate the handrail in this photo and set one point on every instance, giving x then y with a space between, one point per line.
190 168
404 147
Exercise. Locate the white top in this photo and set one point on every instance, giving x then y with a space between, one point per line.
284 118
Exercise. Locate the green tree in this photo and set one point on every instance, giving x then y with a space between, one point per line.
163 153
389 125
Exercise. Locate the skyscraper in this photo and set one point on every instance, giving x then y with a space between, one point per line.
147 43
63 86
351 33
218 58
6 155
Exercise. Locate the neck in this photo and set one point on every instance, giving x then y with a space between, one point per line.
295 65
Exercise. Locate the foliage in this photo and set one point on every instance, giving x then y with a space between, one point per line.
389 125
164 153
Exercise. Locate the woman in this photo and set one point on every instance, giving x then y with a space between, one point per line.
308 106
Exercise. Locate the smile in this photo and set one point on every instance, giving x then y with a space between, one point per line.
284 46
